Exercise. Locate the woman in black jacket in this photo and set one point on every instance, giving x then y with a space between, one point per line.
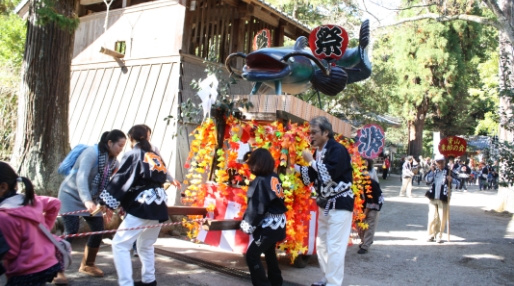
138 188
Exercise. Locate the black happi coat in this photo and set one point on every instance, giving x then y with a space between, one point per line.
138 186
335 167
444 191
265 213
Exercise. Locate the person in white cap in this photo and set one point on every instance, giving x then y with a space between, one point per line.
439 193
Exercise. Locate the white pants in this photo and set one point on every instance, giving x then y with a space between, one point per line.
331 243
122 244
406 187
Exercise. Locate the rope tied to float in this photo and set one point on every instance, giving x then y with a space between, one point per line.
131 228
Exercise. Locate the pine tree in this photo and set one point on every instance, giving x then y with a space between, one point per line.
434 65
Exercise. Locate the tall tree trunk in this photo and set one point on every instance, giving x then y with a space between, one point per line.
416 128
506 194
42 131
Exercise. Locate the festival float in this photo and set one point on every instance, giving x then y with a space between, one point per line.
217 178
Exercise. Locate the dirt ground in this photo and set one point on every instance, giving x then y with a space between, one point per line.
481 251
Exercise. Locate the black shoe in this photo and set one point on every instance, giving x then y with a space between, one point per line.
362 251
141 283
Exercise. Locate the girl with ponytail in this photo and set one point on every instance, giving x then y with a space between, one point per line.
138 188
80 190
30 259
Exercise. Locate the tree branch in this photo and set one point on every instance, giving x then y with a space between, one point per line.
405 8
500 24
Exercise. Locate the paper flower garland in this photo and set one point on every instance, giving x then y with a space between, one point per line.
285 144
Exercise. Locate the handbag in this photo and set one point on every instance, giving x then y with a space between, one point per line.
62 248
321 202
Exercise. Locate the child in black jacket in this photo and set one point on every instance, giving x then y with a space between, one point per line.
264 218
373 205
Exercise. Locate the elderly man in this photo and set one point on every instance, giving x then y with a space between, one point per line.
331 172
439 193
407 174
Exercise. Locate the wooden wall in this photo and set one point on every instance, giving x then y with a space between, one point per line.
265 107
110 97
194 68
223 27
149 30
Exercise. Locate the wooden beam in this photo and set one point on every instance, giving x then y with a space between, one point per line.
90 2
233 3
183 210
289 117
226 224
111 53
266 16
260 116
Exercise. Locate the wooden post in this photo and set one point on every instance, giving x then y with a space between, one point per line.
111 53
278 37
187 34
218 115
448 219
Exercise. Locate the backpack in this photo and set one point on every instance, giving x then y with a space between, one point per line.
65 168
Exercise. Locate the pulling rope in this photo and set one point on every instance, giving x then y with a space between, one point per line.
131 228
76 212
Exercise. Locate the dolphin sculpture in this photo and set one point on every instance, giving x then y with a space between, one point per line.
295 69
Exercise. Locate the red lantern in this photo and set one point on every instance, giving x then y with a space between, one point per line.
328 42
262 39
453 146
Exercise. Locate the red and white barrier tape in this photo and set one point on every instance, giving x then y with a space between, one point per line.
131 228
75 212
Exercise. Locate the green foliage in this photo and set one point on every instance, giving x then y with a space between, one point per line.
6 6
489 126
436 72
316 12
47 14
12 40
9 81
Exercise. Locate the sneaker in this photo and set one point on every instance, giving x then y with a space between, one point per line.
362 251
141 283
439 240
430 239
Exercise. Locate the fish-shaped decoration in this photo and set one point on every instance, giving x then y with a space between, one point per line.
295 69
